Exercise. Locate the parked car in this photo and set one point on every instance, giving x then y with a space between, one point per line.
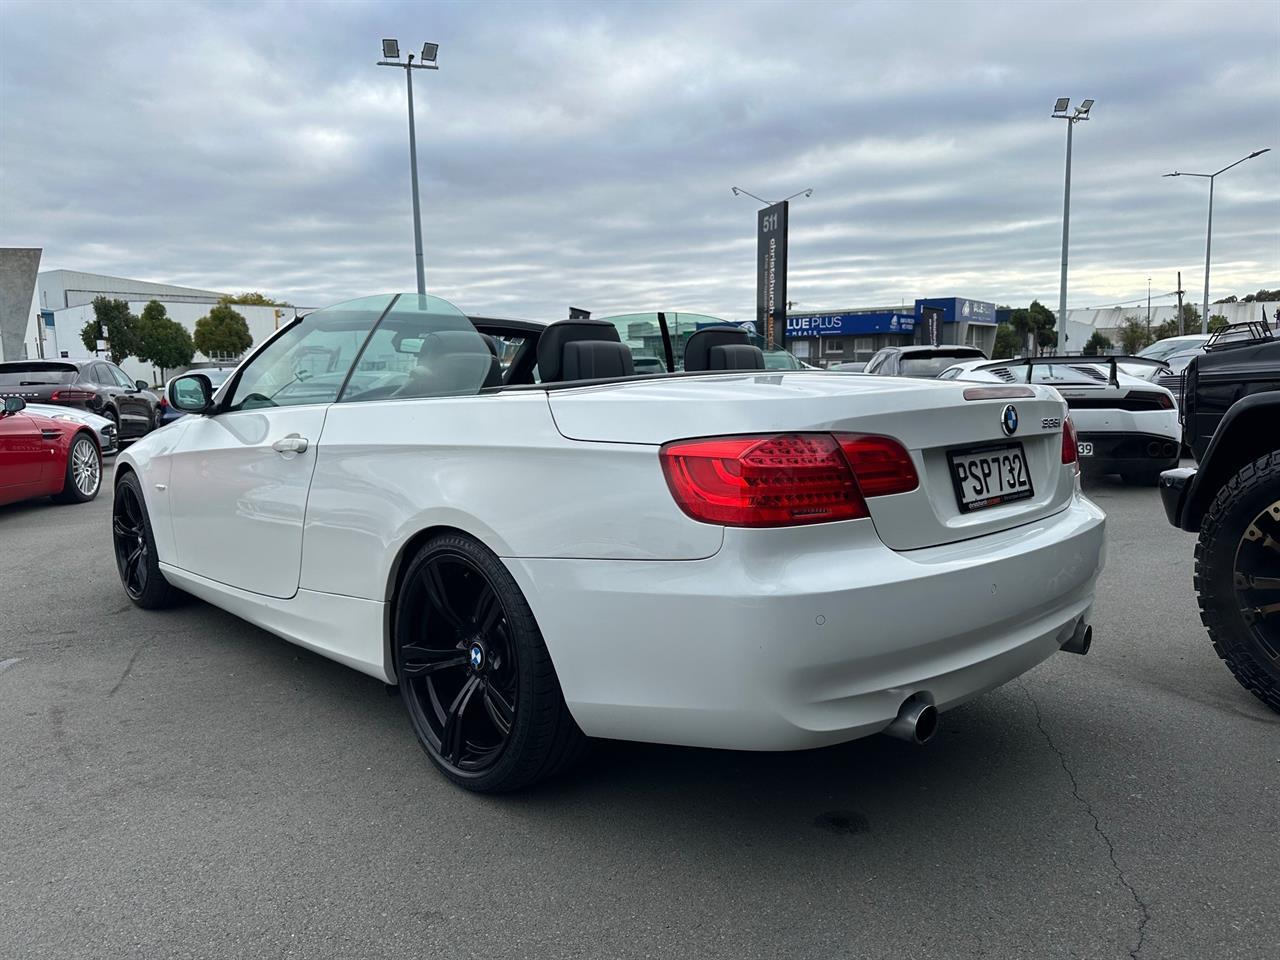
1126 425
44 457
569 549
849 366
919 361
96 385
104 428
1166 348
1231 409
217 377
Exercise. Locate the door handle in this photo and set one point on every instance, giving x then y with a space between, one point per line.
290 444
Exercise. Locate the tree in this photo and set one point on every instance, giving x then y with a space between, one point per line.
162 341
1216 322
1133 334
113 323
1038 321
222 333
1008 343
1262 296
1097 344
252 299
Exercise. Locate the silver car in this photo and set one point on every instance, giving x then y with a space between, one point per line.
108 438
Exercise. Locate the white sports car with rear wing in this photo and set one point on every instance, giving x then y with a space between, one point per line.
539 545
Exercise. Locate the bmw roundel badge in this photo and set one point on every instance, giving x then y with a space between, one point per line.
1009 420
477 656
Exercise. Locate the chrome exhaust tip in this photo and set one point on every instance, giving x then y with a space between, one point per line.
917 722
1079 641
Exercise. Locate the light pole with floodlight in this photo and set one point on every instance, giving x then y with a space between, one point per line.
1060 109
391 58
1208 234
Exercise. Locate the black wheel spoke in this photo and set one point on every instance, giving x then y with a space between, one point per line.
438 594
488 611
452 738
121 529
417 661
499 708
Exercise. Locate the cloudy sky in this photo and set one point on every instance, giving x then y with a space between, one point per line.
583 153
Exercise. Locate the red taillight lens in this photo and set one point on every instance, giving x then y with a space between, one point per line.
164 403
69 396
783 480
1069 452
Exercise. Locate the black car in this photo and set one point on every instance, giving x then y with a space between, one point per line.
92 384
919 361
1231 422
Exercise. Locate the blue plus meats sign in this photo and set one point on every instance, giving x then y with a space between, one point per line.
850 324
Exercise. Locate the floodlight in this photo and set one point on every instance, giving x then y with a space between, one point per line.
391 49
1062 104
1086 107
429 51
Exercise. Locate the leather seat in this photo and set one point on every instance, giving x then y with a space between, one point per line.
722 348
582 350
452 363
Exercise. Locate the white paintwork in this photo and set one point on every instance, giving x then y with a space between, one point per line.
661 628
106 442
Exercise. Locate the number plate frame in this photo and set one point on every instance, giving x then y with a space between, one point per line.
987 450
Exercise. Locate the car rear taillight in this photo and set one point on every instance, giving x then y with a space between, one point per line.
164 403
1070 454
784 479
71 396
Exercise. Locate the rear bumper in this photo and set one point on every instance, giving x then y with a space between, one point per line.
1113 452
1175 487
801 637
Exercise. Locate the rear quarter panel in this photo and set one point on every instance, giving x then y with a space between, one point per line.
493 466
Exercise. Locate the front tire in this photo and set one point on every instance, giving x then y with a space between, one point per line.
135 548
475 674
1237 577
83 477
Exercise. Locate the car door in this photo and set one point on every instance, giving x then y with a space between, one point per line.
239 477
132 402
109 392
23 452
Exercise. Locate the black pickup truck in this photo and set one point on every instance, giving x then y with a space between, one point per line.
1231 422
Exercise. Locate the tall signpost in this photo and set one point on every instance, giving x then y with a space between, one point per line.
771 275
771 267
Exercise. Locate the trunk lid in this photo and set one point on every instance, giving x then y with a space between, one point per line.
929 417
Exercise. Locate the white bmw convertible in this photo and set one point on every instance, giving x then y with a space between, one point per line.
539 544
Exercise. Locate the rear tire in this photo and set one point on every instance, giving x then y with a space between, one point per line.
135 549
1237 558
474 672
83 477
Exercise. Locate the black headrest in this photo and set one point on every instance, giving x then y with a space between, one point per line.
736 356
491 343
556 335
697 351
597 359
452 362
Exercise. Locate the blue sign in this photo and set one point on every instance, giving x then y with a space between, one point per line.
850 324
959 309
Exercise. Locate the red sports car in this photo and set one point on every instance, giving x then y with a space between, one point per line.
43 457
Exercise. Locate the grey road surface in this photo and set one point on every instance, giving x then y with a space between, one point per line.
181 784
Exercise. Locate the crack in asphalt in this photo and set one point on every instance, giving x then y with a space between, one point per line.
128 669
1144 915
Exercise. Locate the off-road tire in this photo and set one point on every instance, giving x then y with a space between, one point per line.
1234 509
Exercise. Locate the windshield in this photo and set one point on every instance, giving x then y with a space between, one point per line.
930 365
1162 349
33 373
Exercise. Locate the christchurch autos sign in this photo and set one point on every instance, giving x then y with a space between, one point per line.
771 273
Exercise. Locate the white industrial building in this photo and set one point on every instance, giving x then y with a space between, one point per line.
1081 324
63 304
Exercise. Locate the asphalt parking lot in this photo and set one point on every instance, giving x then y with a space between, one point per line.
184 785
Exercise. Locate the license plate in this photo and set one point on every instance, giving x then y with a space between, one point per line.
1084 449
989 476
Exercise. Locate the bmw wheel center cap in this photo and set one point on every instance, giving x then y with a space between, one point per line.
477 656
1009 420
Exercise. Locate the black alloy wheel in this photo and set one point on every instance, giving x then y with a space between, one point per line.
1237 577
474 672
135 548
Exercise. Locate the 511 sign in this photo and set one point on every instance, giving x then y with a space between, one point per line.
771 275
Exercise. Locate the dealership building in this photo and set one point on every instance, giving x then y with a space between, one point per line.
833 336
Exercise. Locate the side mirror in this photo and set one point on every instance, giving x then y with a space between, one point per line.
191 393
13 404
142 385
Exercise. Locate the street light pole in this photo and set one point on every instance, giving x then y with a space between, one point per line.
1060 113
1208 234
391 53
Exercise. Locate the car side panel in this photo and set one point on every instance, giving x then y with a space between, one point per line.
493 466
150 459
